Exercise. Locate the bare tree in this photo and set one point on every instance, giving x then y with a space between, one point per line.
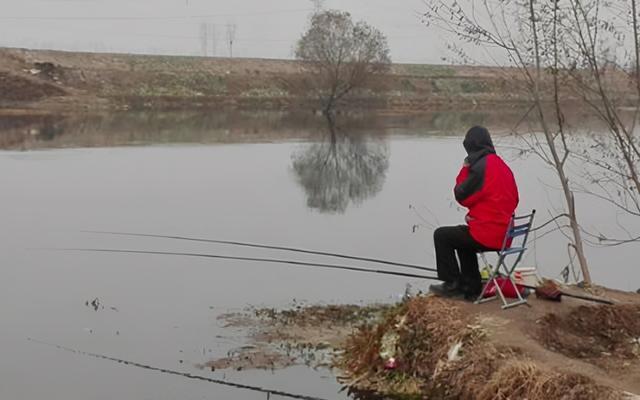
318 6
528 34
340 55
609 83
231 37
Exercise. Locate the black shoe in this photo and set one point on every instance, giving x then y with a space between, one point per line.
472 296
472 293
447 289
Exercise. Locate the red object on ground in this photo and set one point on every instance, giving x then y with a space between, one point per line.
507 288
391 364
493 204
549 291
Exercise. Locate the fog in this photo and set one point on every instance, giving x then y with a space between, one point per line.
266 29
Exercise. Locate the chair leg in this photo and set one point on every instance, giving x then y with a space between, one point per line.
514 229
492 278
520 300
509 275
481 298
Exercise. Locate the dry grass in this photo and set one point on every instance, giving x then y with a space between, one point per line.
428 328
525 380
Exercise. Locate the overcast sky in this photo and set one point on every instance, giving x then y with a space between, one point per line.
265 28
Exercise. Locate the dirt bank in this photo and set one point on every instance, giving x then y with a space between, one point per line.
448 349
58 81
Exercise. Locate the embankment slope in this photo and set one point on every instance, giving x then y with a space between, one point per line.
63 81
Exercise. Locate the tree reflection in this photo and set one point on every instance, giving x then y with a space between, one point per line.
341 169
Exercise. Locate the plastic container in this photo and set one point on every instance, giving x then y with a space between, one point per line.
526 276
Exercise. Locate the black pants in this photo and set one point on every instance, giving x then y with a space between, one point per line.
451 239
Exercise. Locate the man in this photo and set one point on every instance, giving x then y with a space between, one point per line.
486 186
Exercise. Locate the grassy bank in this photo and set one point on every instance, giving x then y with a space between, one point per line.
449 349
54 80
446 350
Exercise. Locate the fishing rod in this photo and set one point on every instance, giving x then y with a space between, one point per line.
588 298
268 392
271 247
267 260
574 296
309 264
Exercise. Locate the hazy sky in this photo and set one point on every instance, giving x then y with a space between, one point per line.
265 28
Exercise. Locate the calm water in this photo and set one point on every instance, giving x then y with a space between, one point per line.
266 179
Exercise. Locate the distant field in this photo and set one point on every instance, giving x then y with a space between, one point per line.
54 80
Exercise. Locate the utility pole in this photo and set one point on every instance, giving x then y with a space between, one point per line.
204 38
212 34
231 37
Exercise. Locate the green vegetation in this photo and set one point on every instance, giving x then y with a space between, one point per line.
162 63
407 85
460 86
168 84
427 70
265 93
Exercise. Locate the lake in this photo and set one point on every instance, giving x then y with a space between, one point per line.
377 188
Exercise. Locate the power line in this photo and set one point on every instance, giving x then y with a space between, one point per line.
160 18
239 39
191 37
250 39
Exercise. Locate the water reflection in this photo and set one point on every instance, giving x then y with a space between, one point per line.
27 131
342 169
20 130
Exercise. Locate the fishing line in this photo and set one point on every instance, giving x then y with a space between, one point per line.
263 246
178 373
308 264
268 260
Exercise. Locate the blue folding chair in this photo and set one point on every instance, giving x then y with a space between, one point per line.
518 230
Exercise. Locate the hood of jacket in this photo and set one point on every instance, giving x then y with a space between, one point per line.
478 144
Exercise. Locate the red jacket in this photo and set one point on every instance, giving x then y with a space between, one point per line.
488 189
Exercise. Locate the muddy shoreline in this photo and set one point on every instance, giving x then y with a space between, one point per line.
301 335
592 351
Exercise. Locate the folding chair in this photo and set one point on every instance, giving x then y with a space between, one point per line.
519 228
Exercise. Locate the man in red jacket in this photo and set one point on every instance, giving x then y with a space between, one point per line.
486 186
